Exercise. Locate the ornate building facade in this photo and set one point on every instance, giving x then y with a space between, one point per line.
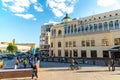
88 37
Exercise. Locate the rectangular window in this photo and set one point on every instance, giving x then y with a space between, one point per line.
105 42
83 43
66 44
74 44
59 53
117 41
92 42
88 43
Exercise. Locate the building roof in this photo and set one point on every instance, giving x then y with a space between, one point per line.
66 17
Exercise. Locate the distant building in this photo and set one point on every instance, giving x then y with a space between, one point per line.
45 38
22 47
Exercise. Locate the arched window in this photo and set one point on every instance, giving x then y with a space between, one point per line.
72 28
100 26
86 28
78 29
105 26
59 33
95 27
59 44
91 27
75 29
111 25
65 30
82 28
116 24
68 29
54 32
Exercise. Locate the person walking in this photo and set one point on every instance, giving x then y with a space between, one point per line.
25 63
34 71
109 65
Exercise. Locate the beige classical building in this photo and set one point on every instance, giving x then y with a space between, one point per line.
89 37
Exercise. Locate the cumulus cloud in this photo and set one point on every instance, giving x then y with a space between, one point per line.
38 7
26 16
106 3
60 7
50 22
19 7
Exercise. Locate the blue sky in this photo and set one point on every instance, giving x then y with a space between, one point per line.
22 19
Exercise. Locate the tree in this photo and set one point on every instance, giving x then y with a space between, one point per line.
37 49
12 48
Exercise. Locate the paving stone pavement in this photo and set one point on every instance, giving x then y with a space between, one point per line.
86 72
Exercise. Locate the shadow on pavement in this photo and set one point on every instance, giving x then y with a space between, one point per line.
90 71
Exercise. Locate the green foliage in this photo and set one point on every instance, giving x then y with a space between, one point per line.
37 49
12 48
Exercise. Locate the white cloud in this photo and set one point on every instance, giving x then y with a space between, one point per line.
26 16
19 7
109 5
106 3
60 7
50 22
38 8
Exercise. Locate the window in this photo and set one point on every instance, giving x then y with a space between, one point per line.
83 43
54 32
74 44
105 42
116 14
59 53
116 24
99 17
51 44
72 28
82 28
94 18
89 19
75 29
110 15
83 54
78 29
93 54
111 25
65 30
66 53
105 26
86 29
87 42
105 54
91 27
59 33
66 44
104 16
100 26
117 41
92 42
95 27
59 44
68 29
75 53
70 44
51 52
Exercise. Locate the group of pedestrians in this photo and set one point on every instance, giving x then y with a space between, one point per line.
33 61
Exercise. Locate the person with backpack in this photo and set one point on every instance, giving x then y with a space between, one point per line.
24 63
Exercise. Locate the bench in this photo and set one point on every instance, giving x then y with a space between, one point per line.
15 73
